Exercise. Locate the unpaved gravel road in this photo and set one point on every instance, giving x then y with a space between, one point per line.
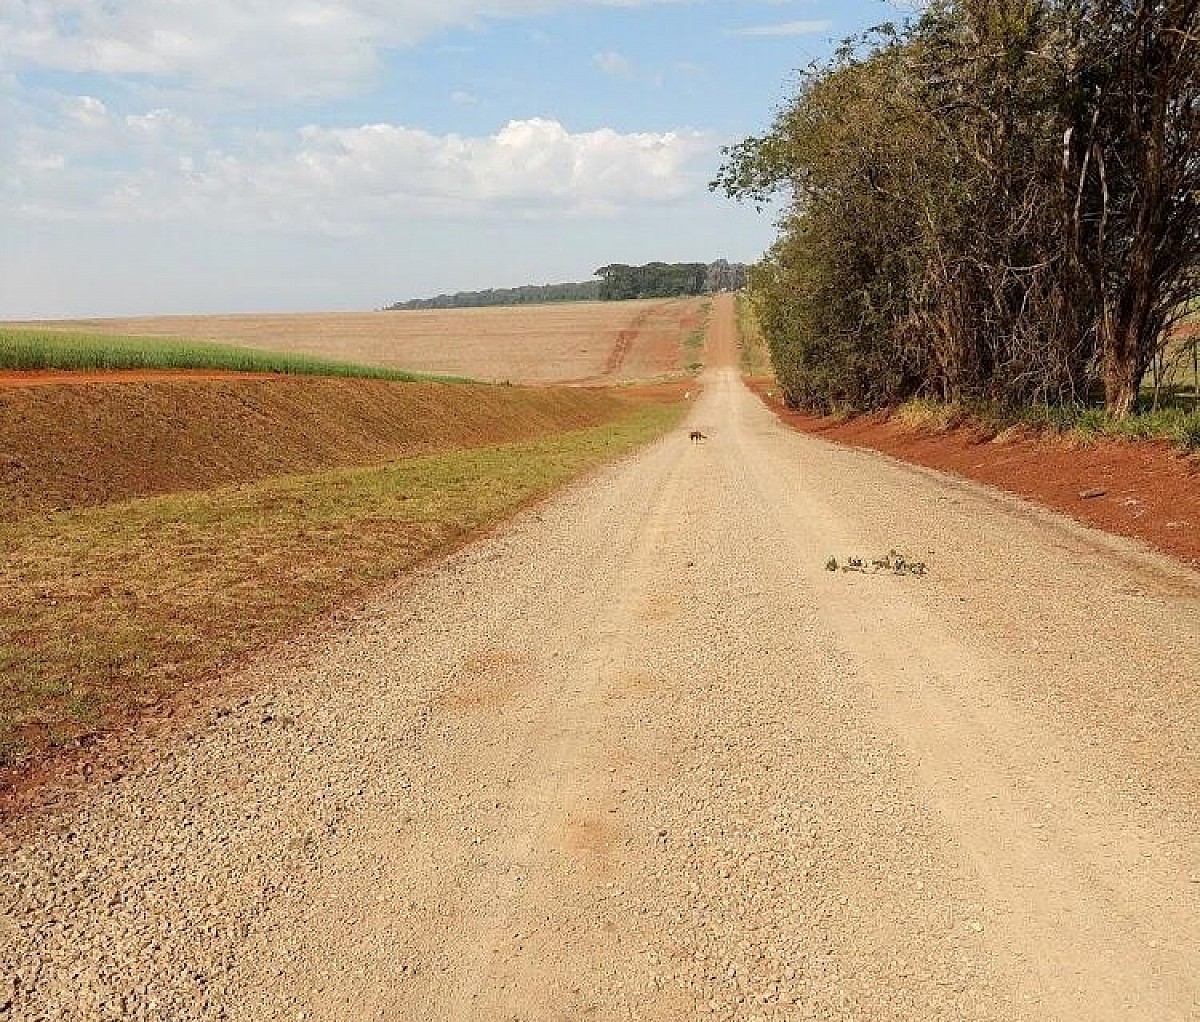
639 756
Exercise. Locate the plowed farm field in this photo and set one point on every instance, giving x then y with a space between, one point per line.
600 342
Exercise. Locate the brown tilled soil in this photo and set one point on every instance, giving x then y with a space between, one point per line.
83 444
522 344
653 343
1143 490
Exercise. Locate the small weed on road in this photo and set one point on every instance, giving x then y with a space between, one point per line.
892 563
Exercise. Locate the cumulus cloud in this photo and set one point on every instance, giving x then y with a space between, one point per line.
342 181
87 111
286 48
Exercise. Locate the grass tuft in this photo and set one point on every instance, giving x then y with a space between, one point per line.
1186 433
931 416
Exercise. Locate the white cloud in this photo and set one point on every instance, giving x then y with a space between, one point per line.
86 110
344 181
461 97
161 123
613 63
787 28
284 48
109 138
30 158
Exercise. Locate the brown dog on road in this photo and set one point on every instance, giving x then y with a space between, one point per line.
697 436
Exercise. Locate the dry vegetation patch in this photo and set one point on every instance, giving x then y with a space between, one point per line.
753 355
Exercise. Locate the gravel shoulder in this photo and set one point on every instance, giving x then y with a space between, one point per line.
1142 489
639 756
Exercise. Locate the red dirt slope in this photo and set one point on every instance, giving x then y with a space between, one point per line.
80 444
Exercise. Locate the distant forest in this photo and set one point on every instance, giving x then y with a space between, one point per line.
530 294
617 282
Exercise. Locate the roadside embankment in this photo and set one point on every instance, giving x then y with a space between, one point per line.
91 443
153 533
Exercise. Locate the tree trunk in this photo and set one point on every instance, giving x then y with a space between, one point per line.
1120 389
1124 346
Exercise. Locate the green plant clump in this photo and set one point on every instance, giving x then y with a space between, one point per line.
1186 433
1178 425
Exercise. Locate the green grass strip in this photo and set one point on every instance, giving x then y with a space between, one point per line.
22 349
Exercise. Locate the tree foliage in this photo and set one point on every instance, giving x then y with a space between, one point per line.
529 294
617 282
997 201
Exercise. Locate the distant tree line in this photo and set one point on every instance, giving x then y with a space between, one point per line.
725 276
530 294
617 282
669 280
997 201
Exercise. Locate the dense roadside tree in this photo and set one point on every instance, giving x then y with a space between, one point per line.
996 202
1132 152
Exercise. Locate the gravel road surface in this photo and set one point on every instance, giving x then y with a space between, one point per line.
640 756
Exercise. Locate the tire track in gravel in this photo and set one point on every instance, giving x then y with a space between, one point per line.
638 756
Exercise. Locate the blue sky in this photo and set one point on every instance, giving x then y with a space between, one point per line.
253 155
